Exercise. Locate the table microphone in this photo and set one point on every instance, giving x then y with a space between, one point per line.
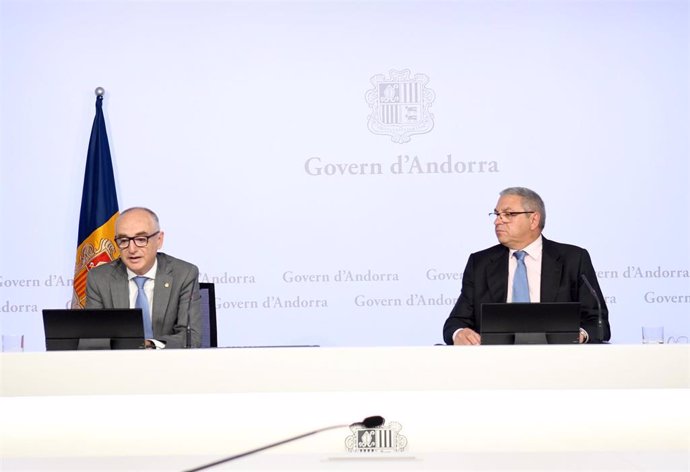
600 325
369 422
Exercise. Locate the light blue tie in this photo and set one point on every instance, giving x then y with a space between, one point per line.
520 285
143 303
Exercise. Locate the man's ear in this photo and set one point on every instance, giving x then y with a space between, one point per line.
536 219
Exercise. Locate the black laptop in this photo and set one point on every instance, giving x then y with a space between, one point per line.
530 323
102 328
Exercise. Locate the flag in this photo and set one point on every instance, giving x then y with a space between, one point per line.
99 210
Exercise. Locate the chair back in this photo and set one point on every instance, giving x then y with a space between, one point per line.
209 334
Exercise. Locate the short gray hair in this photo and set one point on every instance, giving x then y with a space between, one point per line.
151 213
530 200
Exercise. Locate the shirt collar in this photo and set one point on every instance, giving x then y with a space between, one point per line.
533 249
151 274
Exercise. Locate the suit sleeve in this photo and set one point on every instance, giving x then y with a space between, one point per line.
462 315
94 298
184 310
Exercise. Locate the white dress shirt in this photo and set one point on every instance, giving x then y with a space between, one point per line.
533 265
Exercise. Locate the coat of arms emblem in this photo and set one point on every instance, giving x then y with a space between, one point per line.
89 257
400 105
385 438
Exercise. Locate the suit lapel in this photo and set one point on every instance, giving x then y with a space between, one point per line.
551 270
120 286
161 293
497 274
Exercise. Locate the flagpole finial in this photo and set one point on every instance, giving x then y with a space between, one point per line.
100 91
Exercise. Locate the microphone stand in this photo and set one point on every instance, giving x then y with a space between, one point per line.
369 422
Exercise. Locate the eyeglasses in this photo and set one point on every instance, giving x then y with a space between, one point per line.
506 216
139 241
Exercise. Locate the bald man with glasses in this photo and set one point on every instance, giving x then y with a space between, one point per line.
161 285
524 267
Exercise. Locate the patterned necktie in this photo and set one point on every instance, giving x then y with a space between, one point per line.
520 286
143 303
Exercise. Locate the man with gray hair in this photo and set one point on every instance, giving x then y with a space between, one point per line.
525 267
165 288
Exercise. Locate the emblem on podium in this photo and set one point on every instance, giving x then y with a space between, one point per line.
385 438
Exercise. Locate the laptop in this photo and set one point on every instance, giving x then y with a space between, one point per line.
530 323
93 328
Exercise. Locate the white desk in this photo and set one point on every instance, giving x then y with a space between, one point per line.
470 408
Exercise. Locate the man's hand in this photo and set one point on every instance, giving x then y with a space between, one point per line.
465 337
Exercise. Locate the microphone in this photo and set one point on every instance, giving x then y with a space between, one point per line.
600 323
369 422
188 329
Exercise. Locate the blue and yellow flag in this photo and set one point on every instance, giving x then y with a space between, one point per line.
99 210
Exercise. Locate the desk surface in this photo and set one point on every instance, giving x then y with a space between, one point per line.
466 462
343 369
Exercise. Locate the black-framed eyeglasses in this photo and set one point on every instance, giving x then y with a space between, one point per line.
506 216
139 241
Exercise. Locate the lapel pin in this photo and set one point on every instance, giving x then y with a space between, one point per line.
167 285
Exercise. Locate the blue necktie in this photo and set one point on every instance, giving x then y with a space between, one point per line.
143 303
520 286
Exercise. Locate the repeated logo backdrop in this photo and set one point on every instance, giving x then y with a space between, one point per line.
330 166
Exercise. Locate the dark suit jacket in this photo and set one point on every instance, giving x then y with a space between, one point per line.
176 280
485 280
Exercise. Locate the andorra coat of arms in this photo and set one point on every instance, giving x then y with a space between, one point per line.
400 105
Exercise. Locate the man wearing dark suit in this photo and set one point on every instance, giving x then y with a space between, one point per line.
167 283
554 271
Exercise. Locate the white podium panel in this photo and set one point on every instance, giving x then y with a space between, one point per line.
470 408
